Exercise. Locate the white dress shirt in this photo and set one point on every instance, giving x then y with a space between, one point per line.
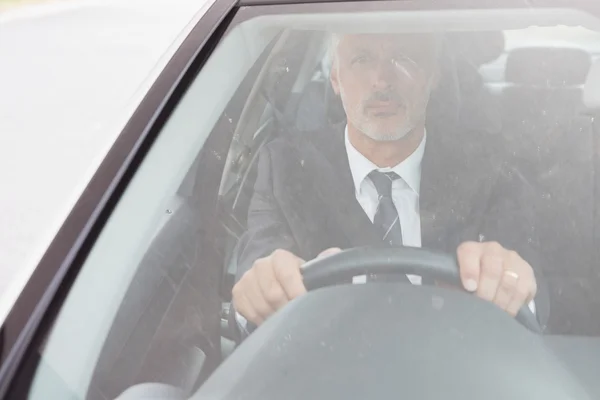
405 192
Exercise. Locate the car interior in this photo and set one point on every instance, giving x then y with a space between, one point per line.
175 325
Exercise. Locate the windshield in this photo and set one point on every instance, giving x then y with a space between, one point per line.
430 155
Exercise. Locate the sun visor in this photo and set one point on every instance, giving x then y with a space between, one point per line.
591 93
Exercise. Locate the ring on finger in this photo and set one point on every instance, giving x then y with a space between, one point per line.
511 274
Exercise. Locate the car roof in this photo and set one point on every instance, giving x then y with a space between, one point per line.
267 2
63 104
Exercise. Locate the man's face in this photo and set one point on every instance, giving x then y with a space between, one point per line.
385 81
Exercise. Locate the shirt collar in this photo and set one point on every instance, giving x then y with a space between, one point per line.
409 169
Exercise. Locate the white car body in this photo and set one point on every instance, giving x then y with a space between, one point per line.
63 103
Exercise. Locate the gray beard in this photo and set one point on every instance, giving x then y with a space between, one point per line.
388 137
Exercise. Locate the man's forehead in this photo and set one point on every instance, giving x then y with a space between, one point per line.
378 40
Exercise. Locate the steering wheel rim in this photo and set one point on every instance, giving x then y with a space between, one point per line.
346 264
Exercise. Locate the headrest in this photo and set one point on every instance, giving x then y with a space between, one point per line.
476 47
548 66
591 92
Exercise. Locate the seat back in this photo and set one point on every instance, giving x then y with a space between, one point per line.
551 137
544 91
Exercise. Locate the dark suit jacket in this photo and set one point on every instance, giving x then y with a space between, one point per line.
304 198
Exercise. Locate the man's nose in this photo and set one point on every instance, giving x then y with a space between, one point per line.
385 74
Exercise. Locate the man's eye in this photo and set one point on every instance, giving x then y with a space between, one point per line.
360 60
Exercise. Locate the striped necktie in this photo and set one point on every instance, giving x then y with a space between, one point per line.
386 218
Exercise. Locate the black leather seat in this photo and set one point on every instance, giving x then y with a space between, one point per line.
550 135
544 93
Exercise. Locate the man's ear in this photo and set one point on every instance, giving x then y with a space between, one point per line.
334 78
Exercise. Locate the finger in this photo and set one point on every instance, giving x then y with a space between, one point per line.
530 283
469 255
532 291
270 287
287 272
491 275
329 252
244 307
255 297
526 288
519 298
253 315
506 289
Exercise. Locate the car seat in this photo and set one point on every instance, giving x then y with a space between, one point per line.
549 133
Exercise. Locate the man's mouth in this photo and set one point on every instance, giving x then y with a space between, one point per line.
384 108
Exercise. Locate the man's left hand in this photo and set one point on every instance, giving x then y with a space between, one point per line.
496 274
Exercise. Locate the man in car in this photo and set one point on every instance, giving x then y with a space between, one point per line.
391 175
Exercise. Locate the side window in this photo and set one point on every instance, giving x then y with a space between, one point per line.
145 306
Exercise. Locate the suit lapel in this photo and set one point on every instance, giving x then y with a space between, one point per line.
334 181
455 190
430 198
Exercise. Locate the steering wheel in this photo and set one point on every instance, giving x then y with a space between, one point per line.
343 266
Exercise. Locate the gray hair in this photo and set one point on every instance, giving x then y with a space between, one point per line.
335 38
334 42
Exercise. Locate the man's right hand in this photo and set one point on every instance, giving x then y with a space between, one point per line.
270 284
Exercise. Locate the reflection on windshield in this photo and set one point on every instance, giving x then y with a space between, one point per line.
453 172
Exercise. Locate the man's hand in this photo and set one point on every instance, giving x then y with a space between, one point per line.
270 284
496 274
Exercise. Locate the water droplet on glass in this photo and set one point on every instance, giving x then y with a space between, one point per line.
437 302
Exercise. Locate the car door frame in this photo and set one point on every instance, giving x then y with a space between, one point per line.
38 303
